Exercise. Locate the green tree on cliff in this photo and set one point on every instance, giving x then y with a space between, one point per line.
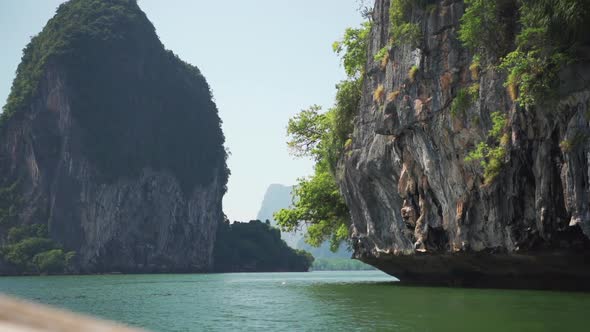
324 136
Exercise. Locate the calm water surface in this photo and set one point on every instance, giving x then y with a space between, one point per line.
316 301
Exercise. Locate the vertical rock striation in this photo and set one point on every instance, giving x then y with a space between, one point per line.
117 147
422 213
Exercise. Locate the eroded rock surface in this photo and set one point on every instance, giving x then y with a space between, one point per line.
422 213
106 150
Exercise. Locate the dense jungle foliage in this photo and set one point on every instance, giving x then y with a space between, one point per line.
256 246
30 251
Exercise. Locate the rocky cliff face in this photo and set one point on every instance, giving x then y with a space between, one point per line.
276 197
118 149
424 214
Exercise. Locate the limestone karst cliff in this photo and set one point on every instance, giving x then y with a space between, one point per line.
421 208
276 197
112 145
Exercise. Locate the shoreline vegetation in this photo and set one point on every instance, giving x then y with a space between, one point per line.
253 246
256 246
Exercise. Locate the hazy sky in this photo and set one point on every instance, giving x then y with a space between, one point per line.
264 59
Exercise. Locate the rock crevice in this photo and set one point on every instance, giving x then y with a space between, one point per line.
421 212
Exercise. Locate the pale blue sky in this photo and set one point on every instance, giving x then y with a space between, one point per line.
265 60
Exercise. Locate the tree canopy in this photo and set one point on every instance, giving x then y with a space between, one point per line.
255 247
29 250
324 137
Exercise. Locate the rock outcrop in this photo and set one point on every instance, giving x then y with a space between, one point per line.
114 143
422 213
276 197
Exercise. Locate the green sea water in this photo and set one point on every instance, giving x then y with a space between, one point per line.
316 301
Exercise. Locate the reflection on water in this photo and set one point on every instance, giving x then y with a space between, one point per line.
363 300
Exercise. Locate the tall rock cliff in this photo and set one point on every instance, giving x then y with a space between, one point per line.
420 209
278 197
113 143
